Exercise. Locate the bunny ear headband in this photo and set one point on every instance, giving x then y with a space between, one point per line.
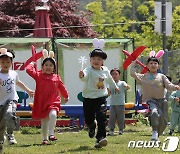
98 43
46 55
98 46
158 55
3 51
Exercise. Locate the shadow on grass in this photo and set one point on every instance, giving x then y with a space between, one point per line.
79 149
29 145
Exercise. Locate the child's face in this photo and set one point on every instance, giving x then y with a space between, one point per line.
48 68
115 75
5 64
153 66
96 62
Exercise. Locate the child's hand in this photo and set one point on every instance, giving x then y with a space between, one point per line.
177 87
117 89
126 86
30 93
66 100
176 99
81 74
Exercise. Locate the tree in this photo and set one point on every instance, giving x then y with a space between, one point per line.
17 18
105 14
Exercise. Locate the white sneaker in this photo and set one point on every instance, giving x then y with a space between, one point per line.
120 132
111 133
11 140
154 136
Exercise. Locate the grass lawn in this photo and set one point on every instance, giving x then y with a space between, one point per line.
29 142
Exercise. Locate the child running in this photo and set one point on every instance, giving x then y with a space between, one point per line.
47 102
175 115
8 96
153 85
96 78
117 102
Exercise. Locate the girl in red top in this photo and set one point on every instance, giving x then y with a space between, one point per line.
47 99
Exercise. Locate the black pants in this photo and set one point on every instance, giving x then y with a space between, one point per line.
96 109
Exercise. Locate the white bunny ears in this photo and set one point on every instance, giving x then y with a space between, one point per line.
98 43
98 46
3 51
158 55
46 55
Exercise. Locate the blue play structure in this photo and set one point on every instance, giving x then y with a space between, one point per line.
73 111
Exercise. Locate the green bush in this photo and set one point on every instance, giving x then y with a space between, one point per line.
30 130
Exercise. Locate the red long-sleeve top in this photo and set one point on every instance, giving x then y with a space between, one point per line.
47 93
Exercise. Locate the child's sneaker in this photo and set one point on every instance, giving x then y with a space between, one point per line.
1 147
154 136
52 138
120 132
111 133
101 143
171 132
92 130
45 142
10 138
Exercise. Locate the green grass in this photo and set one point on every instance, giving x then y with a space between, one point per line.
79 142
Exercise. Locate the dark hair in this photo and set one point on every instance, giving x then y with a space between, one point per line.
51 60
179 81
98 53
115 69
153 59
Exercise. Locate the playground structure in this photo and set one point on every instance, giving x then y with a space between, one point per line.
73 113
67 53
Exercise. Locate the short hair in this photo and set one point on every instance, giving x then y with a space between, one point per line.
51 60
153 59
115 69
98 53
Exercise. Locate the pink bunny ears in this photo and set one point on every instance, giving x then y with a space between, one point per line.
46 55
158 55
98 43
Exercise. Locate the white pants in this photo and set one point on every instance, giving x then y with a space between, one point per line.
48 124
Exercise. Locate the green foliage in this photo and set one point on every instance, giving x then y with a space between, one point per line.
30 130
143 10
109 12
142 119
175 39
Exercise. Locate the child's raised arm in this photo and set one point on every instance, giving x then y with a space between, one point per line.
30 69
133 72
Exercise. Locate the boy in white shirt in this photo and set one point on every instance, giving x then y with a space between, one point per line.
96 78
8 96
